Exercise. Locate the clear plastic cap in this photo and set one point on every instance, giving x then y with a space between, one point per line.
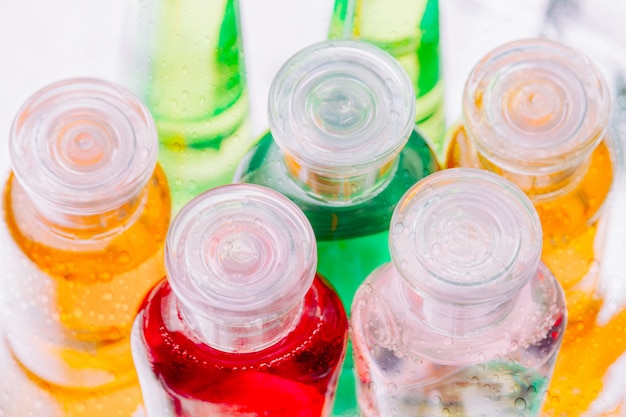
83 146
535 104
466 236
341 108
242 257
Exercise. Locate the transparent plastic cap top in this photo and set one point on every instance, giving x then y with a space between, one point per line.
240 254
83 146
343 107
466 236
535 103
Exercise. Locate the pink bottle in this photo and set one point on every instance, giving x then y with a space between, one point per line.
242 326
465 320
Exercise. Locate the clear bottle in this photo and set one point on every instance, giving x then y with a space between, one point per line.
536 112
466 320
343 147
409 31
86 211
243 325
192 78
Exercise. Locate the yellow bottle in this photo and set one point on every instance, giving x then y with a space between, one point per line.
86 211
536 112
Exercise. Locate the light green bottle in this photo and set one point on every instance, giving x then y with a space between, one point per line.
196 91
409 31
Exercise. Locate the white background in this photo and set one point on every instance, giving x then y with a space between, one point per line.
42 41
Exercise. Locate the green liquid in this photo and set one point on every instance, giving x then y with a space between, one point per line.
197 94
409 31
351 240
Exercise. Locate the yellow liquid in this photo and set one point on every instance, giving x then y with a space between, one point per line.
83 297
570 222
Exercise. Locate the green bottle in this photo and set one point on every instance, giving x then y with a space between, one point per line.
196 91
409 31
343 146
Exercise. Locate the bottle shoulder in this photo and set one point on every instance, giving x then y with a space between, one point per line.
314 346
116 244
265 165
386 313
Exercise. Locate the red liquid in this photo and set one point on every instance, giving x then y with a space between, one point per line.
294 378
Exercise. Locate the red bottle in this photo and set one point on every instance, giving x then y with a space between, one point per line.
242 326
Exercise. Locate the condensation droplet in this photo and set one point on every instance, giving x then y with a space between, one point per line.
123 257
520 404
398 227
445 412
448 341
392 387
393 115
258 222
371 386
437 399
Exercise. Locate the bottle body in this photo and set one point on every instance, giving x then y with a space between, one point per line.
406 367
409 31
195 87
181 376
570 195
70 303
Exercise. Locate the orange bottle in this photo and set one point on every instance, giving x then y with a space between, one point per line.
86 211
536 112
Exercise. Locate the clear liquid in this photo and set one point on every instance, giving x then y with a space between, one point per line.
351 240
409 31
70 303
408 368
570 223
197 94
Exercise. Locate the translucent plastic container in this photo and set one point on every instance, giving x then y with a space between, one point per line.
465 320
242 326
86 210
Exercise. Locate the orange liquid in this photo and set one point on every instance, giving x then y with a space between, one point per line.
569 222
89 293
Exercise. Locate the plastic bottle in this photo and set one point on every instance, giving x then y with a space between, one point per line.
193 81
536 112
86 210
242 326
409 31
465 320
343 147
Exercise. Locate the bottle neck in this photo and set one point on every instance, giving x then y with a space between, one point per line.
457 319
89 226
339 188
541 184
242 337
